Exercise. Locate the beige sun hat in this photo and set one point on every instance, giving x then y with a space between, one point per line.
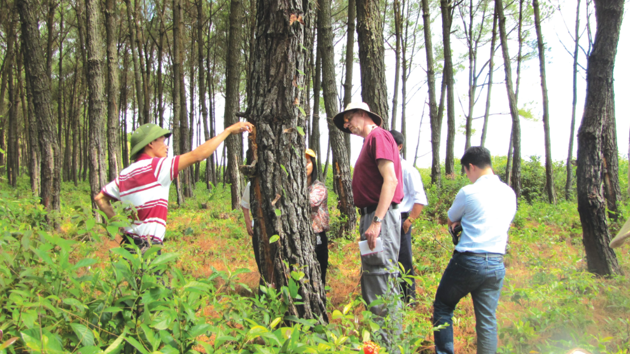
354 106
622 235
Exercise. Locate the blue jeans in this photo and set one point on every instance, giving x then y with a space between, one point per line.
482 277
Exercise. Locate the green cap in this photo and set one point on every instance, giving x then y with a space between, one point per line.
145 134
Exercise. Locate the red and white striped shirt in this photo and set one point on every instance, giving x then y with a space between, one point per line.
145 185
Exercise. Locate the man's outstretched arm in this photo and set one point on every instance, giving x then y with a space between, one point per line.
206 149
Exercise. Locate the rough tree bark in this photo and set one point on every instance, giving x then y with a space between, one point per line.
551 195
40 87
610 150
516 126
96 111
279 194
112 89
372 57
341 161
233 75
447 19
34 153
601 259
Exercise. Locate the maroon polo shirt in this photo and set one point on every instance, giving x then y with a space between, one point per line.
367 180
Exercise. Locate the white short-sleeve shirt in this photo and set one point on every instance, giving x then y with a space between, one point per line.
412 187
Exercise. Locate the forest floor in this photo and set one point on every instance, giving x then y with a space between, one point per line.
549 302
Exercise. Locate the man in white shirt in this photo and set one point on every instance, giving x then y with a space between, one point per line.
485 210
410 208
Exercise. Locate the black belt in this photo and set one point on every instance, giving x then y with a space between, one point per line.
372 208
483 255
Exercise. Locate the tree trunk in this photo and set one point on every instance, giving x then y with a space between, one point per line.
473 76
447 18
347 86
7 66
112 89
3 88
601 259
436 124
177 134
341 161
610 150
315 142
50 23
71 112
372 57
40 86
551 195
60 88
576 53
233 75
486 115
202 84
123 106
34 153
137 69
509 168
96 112
398 34
516 127
279 199
13 150
160 80
144 70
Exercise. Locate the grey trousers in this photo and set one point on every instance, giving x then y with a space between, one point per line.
380 270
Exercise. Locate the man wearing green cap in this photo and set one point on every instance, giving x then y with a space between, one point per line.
145 183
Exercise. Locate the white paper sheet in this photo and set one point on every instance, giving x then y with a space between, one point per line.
365 249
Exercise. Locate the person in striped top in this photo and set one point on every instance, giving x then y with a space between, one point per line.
144 185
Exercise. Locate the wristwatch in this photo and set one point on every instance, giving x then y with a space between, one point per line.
411 219
377 219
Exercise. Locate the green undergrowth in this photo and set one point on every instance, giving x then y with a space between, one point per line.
63 291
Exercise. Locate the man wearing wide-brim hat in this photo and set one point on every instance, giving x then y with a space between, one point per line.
145 183
378 189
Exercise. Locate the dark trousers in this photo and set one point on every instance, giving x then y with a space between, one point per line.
481 276
405 257
142 244
321 251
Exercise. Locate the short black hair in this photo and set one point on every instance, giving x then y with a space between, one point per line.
398 137
478 156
